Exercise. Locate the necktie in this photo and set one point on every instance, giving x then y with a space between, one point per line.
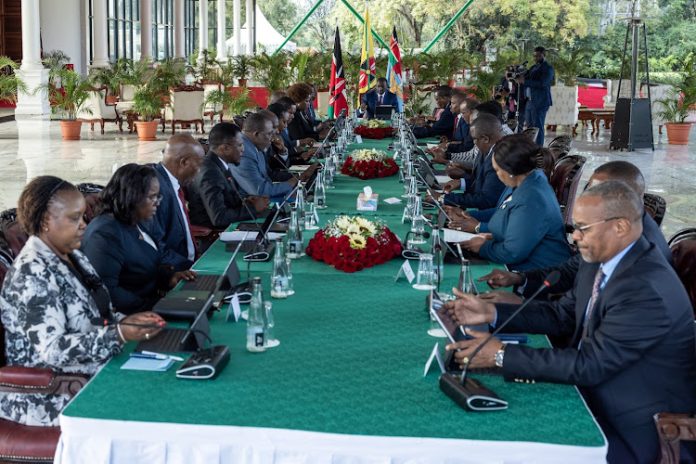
182 198
381 98
456 124
599 278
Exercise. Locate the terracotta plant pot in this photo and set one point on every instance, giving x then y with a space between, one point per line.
70 129
678 133
147 130
242 82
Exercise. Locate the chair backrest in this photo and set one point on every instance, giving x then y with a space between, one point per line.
532 133
684 258
655 206
12 237
685 234
187 104
565 179
91 192
546 161
561 142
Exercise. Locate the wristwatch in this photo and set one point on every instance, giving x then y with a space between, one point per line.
499 356
477 229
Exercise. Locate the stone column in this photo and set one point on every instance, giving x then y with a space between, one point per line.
179 29
237 26
99 32
221 31
32 71
145 30
250 27
202 28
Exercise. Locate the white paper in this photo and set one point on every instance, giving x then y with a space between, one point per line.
392 201
238 236
435 354
452 235
298 168
431 145
233 309
442 180
358 139
147 364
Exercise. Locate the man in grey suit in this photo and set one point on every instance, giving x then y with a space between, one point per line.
629 319
252 172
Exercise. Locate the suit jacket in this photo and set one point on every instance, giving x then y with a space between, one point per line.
538 81
569 269
213 196
252 174
482 189
277 166
168 226
638 356
522 243
442 126
132 270
461 134
300 127
371 99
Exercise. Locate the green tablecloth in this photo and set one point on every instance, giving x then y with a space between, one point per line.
351 358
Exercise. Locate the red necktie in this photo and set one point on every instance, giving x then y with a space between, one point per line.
182 198
456 123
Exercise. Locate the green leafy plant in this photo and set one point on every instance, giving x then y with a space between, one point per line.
107 77
167 74
243 66
676 107
71 97
418 102
229 102
483 84
10 83
567 65
272 70
55 61
147 102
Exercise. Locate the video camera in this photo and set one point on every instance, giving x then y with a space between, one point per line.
516 70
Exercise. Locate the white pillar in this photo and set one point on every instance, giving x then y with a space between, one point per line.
145 30
237 26
179 29
202 28
99 40
250 27
221 31
32 71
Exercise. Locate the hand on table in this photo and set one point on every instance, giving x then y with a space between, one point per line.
465 348
467 224
454 184
499 278
468 309
455 171
474 244
456 213
500 296
182 275
134 332
309 172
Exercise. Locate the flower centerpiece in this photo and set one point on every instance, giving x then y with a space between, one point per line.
369 164
374 129
351 244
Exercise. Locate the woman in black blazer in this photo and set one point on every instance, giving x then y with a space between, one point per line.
126 257
300 127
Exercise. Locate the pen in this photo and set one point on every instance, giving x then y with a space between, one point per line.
153 355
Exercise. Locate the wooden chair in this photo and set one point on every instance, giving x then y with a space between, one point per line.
96 110
546 161
564 180
91 192
12 237
185 107
532 133
30 444
655 206
561 142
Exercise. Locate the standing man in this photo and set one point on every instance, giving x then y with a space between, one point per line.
182 158
537 88
629 320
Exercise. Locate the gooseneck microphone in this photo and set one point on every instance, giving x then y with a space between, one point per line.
472 394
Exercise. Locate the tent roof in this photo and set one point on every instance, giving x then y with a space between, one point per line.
266 36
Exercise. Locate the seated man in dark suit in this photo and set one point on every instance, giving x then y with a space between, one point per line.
526 283
461 108
380 96
181 160
482 189
214 198
629 319
441 125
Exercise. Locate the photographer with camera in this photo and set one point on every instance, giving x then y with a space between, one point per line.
537 89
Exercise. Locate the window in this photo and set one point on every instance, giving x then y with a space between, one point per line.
163 29
191 24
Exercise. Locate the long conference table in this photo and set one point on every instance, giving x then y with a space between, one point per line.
346 384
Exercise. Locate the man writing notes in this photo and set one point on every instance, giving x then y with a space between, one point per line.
629 318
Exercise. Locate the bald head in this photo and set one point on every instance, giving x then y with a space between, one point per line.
620 170
182 157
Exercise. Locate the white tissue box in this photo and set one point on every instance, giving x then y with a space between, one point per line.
367 204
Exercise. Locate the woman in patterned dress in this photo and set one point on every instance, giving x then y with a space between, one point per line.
54 308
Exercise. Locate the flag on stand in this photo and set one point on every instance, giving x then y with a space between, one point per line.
337 90
368 68
394 76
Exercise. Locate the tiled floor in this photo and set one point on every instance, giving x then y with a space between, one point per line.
31 148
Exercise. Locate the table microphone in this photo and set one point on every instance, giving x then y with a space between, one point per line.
471 393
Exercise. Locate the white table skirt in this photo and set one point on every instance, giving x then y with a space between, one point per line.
94 441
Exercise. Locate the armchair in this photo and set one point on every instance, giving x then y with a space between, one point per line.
96 110
185 107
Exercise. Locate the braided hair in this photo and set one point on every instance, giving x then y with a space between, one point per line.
35 200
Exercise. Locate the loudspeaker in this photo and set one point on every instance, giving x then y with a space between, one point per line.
632 126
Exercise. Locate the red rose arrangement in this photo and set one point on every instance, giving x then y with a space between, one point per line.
369 164
352 244
374 132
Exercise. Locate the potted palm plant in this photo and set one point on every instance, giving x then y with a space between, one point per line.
242 68
10 83
107 77
272 71
68 100
148 104
229 103
675 108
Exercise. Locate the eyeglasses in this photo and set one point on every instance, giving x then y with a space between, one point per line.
155 199
581 229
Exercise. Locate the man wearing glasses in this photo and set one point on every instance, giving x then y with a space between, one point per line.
630 323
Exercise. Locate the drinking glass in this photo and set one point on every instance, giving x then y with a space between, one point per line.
271 341
425 278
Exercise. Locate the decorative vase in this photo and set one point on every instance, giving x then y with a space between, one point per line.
70 129
678 133
146 130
